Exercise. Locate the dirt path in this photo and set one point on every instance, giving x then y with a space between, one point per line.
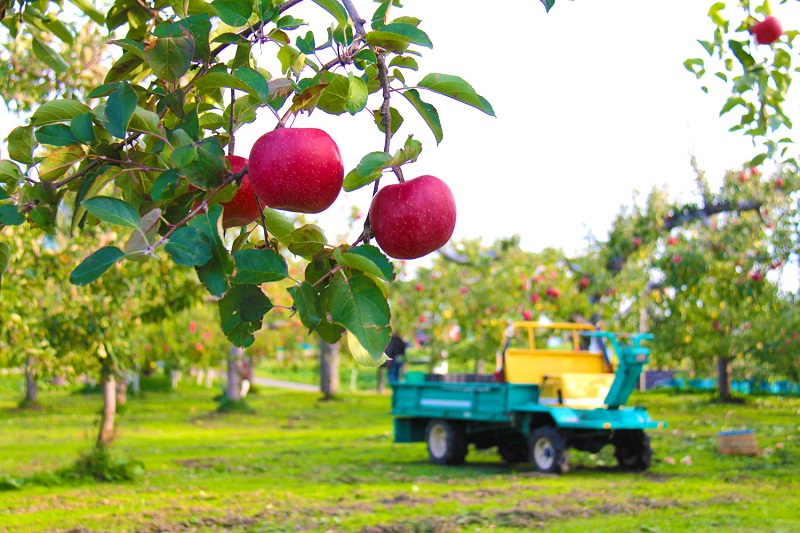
277 383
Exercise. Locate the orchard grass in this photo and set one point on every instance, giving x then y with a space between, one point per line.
301 464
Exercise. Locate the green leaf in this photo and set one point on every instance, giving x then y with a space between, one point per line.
306 44
200 28
201 163
457 89
359 305
696 66
59 110
213 274
279 225
95 265
372 162
20 144
119 109
413 34
171 55
145 121
357 93
307 240
259 266
129 45
379 17
255 81
137 244
308 304
393 42
113 211
741 54
548 4
217 80
396 120
189 246
56 135
288 22
407 154
368 259
127 63
58 162
10 216
48 56
404 62
165 185
334 8
757 160
5 256
361 355
241 311
82 128
89 10
233 12
426 111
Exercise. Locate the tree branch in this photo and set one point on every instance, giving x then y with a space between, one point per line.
230 178
688 215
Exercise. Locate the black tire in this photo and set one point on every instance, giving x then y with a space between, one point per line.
513 449
632 450
548 451
447 442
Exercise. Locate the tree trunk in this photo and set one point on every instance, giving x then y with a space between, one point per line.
210 377
122 390
328 369
379 386
31 383
135 383
724 378
234 389
175 377
480 366
106 435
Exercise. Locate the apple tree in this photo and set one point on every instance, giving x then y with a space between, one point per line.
752 56
143 152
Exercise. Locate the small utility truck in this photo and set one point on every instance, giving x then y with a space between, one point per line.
548 396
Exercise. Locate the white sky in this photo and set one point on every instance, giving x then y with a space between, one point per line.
592 102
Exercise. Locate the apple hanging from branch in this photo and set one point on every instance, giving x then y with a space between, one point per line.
296 169
242 209
413 218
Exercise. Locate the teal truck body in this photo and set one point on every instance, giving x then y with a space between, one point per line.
530 421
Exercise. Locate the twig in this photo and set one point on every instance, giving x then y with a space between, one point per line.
232 141
230 178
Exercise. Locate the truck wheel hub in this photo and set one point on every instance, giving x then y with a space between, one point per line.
543 453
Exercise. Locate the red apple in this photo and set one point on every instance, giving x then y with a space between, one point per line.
552 291
756 276
754 171
422 319
584 283
535 298
780 182
742 177
419 287
676 259
672 240
637 241
527 315
463 290
242 209
767 31
413 218
717 325
296 169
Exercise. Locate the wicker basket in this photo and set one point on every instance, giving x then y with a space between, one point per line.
736 441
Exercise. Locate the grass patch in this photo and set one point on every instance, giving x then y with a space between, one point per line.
301 464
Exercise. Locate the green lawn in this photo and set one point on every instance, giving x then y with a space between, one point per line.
303 465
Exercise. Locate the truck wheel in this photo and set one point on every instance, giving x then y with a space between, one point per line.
548 451
447 442
632 450
513 449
